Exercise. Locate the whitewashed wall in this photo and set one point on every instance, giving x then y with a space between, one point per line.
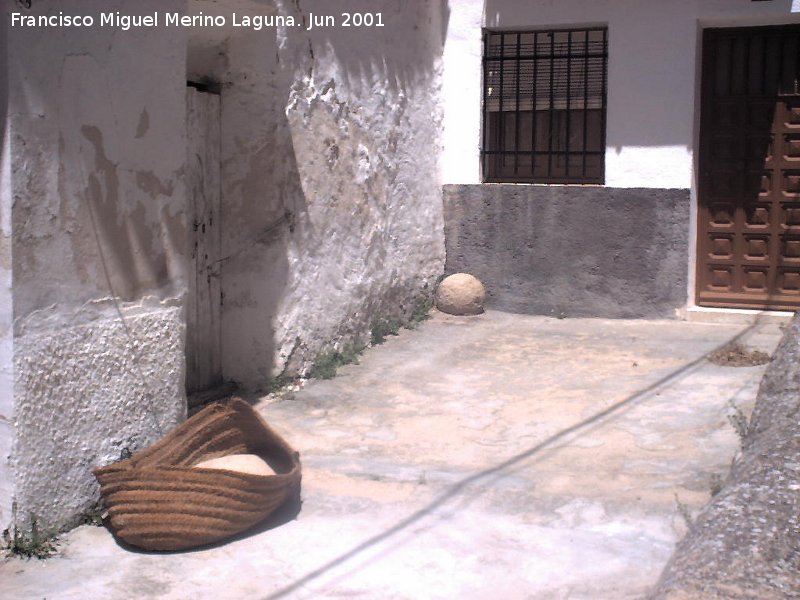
6 308
92 171
332 211
653 75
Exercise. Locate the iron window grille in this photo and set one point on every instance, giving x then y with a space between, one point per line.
544 105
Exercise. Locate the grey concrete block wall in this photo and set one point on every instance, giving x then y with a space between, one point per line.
572 250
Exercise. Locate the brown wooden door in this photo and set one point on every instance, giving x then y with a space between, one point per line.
749 194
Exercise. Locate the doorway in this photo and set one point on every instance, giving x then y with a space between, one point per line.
203 318
749 178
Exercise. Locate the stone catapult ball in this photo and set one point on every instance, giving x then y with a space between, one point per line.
460 294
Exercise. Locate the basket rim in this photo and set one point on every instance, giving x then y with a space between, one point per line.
234 405
114 469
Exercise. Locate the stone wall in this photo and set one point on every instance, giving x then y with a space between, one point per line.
88 394
571 250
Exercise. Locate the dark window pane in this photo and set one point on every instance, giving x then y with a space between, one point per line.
544 105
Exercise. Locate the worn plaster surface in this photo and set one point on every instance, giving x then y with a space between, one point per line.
92 213
98 147
88 394
331 210
6 310
496 456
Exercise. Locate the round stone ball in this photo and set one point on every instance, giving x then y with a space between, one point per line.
460 294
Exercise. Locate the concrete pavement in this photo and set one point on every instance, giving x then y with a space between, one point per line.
498 456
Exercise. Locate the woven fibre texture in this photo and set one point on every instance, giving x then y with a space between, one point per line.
156 500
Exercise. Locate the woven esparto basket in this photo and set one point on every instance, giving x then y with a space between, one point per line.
156 500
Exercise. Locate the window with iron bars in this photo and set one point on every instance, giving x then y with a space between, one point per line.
544 105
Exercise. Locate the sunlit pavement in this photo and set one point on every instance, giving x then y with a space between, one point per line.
498 456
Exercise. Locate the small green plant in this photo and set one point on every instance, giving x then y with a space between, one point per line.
275 384
32 543
92 516
738 421
421 311
326 363
381 328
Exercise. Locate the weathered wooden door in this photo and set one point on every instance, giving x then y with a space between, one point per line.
203 333
749 195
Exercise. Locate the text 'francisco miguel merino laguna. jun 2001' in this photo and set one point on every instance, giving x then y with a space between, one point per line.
173 19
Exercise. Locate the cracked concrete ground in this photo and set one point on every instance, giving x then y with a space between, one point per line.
498 456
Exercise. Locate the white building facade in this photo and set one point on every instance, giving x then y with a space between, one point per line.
656 232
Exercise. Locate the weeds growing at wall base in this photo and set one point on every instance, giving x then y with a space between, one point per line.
386 326
93 516
383 327
29 543
421 311
326 363
275 384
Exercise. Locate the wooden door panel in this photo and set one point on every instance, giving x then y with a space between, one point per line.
749 186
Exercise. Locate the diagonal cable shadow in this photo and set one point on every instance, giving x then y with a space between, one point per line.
492 473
